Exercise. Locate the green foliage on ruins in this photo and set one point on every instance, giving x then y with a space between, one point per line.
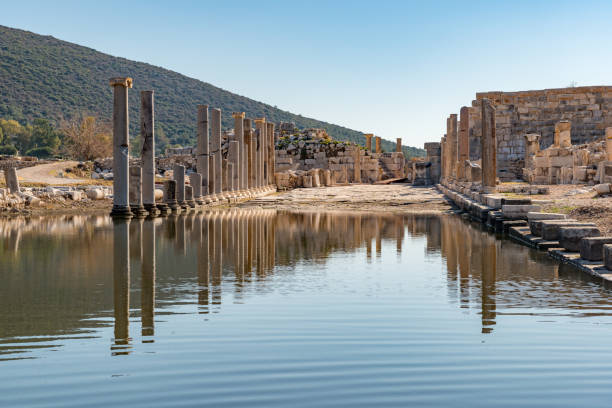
43 77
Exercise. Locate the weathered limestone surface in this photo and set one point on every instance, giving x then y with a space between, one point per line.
591 248
488 146
570 237
12 182
215 149
234 160
368 145
203 148
121 146
378 148
179 177
136 191
463 143
147 134
242 150
607 256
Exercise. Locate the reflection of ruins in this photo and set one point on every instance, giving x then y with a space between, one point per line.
68 276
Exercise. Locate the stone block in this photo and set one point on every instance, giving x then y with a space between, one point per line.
570 237
607 256
561 161
519 211
602 189
591 248
307 181
550 229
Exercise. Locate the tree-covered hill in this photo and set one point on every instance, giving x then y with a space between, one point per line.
43 77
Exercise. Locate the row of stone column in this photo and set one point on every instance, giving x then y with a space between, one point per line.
377 140
455 146
246 171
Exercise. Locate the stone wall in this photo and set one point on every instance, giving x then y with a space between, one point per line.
589 109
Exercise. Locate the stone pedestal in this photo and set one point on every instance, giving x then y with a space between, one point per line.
147 135
12 182
179 177
136 206
170 195
189 197
196 183
488 147
121 147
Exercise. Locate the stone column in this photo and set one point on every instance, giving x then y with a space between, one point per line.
12 182
196 183
452 145
203 151
368 145
378 148
260 134
532 146
357 165
179 177
271 156
121 147
443 165
136 206
189 197
609 144
463 144
225 180
170 195
488 146
147 135
249 139
398 145
233 155
215 149
240 162
231 174
563 134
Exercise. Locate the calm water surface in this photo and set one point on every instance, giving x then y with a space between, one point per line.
264 309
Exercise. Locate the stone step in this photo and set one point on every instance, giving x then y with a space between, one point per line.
591 248
571 237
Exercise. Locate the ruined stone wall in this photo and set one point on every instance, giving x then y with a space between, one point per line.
519 113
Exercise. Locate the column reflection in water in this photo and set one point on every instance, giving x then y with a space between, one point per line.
217 257
203 255
121 286
147 294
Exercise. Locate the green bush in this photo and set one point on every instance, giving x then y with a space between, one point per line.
40 152
8 150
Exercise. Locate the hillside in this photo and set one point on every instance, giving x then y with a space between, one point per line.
43 77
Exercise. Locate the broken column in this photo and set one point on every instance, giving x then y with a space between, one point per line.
179 177
532 147
398 145
378 148
271 156
196 183
170 195
233 155
203 150
368 145
249 139
136 206
451 139
488 147
239 138
121 146
215 150
609 144
563 134
259 134
189 197
147 135
12 182
463 143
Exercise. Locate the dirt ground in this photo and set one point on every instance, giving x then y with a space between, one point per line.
580 202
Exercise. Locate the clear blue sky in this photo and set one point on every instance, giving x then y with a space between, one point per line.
394 68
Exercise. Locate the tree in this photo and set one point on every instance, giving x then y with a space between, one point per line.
44 135
86 138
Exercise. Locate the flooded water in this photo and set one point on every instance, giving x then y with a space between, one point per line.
265 309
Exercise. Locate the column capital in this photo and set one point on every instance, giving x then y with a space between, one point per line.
238 115
368 134
260 120
121 81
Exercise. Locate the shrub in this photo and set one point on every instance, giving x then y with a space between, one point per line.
9 150
40 152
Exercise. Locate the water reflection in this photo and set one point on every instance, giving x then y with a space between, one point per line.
58 285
